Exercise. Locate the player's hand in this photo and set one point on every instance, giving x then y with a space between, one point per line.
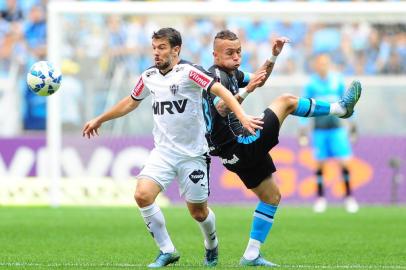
91 128
251 123
256 80
277 45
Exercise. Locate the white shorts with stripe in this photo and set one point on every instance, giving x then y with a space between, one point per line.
192 174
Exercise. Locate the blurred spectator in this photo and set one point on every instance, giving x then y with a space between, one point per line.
107 43
116 46
12 12
376 53
71 96
35 39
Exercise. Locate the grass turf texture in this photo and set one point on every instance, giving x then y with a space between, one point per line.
116 238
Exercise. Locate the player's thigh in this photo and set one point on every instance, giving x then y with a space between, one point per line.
265 139
320 146
158 170
340 144
194 178
146 191
252 174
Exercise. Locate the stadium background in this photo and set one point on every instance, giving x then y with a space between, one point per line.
101 55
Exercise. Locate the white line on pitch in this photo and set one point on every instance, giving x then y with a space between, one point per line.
351 266
124 265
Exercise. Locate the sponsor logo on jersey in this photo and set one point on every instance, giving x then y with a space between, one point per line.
160 107
138 88
199 78
150 73
231 161
174 88
179 69
196 176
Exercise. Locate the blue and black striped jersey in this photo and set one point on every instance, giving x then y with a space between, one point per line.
223 130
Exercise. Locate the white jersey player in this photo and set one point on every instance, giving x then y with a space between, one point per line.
180 146
177 107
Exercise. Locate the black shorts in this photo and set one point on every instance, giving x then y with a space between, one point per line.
249 157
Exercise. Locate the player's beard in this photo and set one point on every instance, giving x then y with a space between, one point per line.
163 65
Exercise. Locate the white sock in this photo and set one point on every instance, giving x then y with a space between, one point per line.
208 227
252 251
155 221
337 109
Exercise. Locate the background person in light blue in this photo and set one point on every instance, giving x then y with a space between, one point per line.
329 136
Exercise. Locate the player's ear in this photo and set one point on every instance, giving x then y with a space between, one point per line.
215 55
176 50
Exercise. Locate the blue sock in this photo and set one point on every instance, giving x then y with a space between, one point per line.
308 107
263 220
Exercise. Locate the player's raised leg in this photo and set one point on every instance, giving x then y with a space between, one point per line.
145 195
269 195
309 107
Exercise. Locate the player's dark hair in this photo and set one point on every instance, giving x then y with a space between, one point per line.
172 35
226 34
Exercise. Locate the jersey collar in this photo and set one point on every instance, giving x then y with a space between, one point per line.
164 74
226 71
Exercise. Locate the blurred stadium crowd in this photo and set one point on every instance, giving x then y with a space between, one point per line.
108 42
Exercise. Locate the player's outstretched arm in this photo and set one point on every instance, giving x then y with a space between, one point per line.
249 122
277 46
123 107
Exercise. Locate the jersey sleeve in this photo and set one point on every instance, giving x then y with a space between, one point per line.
218 77
243 78
201 77
140 90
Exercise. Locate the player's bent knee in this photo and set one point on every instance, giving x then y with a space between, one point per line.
276 198
143 198
290 101
272 197
286 101
199 215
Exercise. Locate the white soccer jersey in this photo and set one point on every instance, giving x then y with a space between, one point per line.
179 125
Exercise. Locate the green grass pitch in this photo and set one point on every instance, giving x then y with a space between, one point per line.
116 238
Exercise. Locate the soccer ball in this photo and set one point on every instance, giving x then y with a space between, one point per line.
43 78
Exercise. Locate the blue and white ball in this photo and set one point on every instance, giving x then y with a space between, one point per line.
43 78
